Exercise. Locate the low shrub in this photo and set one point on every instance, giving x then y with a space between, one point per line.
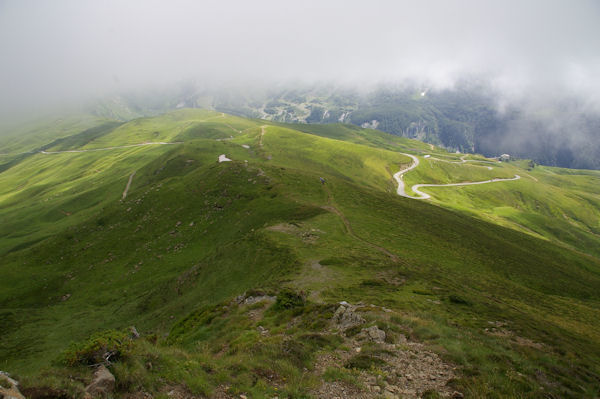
101 347
288 299
4 383
431 394
458 300
364 361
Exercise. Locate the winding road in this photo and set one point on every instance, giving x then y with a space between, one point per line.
398 176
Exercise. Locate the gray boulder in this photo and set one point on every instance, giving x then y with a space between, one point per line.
102 384
372 333
13 391
345 317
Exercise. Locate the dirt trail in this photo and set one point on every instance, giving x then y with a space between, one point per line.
463 160
528 175
110 148
333 209
128 185
232 128
227 124
262 133
351 232
398 176
263 130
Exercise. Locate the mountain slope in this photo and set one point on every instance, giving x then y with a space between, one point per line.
469 117
515 313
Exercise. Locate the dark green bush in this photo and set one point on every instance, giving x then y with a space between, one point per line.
296 352
92 351
363 361
458 300
198 318
288 299
431 394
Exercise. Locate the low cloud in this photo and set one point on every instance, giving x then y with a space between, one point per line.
67 50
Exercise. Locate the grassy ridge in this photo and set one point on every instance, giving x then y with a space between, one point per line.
40 132
192 234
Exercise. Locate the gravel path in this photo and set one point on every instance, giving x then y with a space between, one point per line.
423 195
398 176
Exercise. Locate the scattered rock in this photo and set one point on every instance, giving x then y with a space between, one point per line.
255 299
134 332
12 392
102 384
457 395
179 391
65 297
221 392
250 300
409 369
372 333
45 393
262 330
345 317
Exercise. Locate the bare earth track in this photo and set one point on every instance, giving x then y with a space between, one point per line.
128 185
110 148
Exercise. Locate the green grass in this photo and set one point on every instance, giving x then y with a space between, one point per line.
32 135
193 234
564 208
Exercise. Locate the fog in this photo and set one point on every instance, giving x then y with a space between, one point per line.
60 52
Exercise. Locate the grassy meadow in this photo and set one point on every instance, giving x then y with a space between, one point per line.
501 281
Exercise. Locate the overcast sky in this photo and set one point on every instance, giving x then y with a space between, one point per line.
65 49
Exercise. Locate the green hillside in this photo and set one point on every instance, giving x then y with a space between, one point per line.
232 271
465 117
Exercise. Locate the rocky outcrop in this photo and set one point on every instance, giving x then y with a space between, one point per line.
134 332
252 299
103 383
345 317
372 333
9 388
